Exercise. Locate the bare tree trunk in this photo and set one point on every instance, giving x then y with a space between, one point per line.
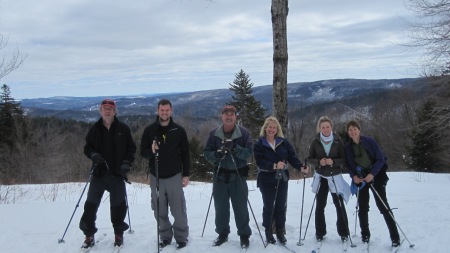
279 12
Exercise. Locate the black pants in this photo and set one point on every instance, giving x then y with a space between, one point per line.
118 208
363 201
341 214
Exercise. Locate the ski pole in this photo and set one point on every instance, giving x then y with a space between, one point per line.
300 243
356 209
157 195
212 194
344 217
248 201
278 176
78 203
390 213
309 218
125 179
130 231
359 170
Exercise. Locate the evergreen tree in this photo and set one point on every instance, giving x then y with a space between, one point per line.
251 113
425 135
199 166
11 117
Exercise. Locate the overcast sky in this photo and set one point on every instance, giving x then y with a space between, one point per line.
105 47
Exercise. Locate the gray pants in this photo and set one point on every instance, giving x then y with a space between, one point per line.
171 195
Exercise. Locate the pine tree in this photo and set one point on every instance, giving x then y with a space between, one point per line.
11 117
425 135
251 113
199 166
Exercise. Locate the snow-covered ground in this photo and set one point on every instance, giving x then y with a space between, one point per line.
33 218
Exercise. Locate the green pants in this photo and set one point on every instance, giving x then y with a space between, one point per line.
235 190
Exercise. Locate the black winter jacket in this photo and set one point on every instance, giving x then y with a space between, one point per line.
173 149
266 157
337 153
123 150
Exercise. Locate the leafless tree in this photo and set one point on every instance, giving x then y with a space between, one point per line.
296 127
431 32
9 64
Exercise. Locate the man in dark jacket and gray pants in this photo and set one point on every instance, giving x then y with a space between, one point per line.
111 148
228 148
169 141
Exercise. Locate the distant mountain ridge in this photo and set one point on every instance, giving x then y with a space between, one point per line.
207 103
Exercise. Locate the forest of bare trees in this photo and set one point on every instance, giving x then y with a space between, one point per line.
430 140
53 148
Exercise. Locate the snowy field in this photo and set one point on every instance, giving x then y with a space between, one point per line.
33 218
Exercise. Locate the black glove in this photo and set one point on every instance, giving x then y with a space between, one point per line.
97 158
221 153
228 144
125 167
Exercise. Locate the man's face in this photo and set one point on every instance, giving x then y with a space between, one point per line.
228 118
164 112
107 112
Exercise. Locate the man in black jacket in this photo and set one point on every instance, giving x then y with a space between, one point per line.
168 142
111 148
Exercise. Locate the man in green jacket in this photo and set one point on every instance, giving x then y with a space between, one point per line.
228 148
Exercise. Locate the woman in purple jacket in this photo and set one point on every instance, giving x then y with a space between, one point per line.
367 165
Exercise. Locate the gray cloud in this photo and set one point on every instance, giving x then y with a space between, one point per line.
95 48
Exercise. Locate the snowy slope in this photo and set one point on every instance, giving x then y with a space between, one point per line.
34 217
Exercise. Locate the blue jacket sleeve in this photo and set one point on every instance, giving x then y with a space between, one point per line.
261 159
374 150
293 160
210 149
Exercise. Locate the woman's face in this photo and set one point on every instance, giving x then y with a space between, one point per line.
271 129
325 128
353 132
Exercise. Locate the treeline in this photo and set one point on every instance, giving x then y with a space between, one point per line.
411 133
